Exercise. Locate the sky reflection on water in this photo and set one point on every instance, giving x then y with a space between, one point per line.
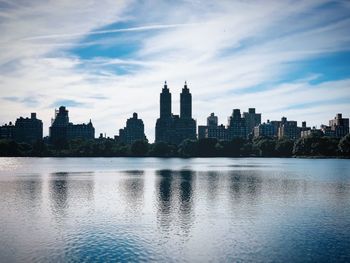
224 210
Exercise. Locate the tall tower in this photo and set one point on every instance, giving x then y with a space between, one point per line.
185 103
165 102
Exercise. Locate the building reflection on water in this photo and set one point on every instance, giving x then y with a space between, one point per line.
188 213
175 199
70 191
131 187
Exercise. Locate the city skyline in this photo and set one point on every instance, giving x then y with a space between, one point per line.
105 60
173 128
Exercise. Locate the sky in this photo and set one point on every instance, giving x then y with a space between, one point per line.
105 59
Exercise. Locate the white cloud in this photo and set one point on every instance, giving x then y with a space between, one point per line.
219 48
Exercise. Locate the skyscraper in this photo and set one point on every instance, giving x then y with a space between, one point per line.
252 119
185 103
236 125
165 102
174 128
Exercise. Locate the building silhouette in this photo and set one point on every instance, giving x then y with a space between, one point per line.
7 131
236 125
133 131
339 125
252 119
239 126
264 130
309 132
28 130
174 128
62 130
212 129
288 129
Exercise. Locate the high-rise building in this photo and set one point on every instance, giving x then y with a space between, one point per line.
212 129
252 119
264 130
173 128
62 130
134 130
339 125
165 102
28 130
185 103
212 120
236 125
288 129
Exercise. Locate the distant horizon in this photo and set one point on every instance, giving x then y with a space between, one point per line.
45 134
105 60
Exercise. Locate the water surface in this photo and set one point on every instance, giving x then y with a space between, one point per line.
174 210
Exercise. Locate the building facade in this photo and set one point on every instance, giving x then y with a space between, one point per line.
265 130
236 125
339 125
28 130
310 132
288 129
62 130
134 130
7 131
212 129
174 128
252 119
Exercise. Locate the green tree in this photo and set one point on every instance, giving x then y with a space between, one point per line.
265 146
284 147
139 148
188 148
206 147
233 148
344 145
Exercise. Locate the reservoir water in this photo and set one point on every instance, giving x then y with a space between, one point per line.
174 210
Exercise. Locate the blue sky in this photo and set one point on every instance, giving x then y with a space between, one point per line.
106 59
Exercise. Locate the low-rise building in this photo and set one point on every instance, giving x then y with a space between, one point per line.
7 131
313 131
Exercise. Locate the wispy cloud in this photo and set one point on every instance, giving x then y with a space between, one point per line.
101 32
67 103
234 54
28 101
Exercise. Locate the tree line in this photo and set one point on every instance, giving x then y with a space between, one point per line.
311 146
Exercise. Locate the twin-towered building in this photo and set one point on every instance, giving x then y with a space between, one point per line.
172 128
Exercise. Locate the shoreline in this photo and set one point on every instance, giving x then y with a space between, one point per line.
192 157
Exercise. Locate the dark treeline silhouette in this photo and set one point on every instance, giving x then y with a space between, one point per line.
311 146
